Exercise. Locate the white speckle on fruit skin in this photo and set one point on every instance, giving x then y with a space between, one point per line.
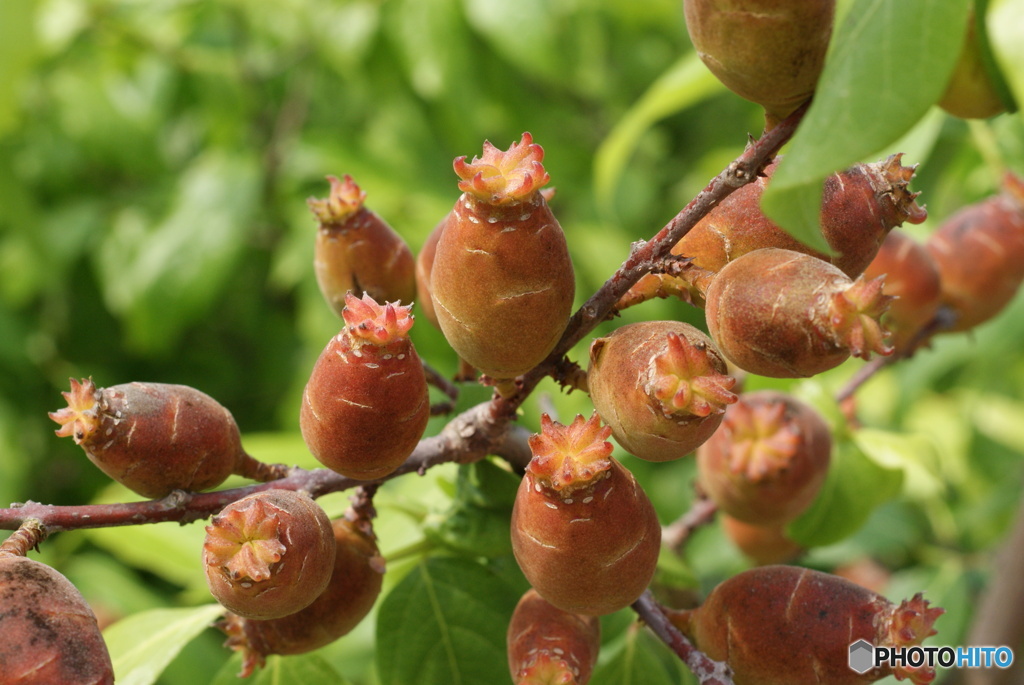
588 500
551 505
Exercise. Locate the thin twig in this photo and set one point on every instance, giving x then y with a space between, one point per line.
28 536
701 512
708 671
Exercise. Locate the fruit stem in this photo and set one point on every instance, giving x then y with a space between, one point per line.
28 536
261 472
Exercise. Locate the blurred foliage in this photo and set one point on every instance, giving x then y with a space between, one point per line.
155 158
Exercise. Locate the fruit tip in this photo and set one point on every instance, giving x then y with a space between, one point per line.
367 321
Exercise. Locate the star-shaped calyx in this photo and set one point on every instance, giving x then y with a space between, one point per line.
547 669
569 458
246 542
81 417
684 380
502 177
345 199
854 314
763 439
911 622
368 322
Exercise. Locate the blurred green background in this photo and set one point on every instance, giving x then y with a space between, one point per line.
155 159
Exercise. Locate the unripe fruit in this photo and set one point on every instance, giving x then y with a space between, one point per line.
660 385
49 632
761 544
269 554
153 438
979 252
353 588
547 645
785 625
971 92
770 52
767 461
356 251
502 280
366 404
913 279
424 266
784 314
583 531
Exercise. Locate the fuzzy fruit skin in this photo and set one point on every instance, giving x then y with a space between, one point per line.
424 266
153 438
859 207
353 589
979 252
971 93
546 644
269 555
365 406
784 314
620 376
912 277
50 634
356 251
785 625
761 544
768 460
587 542
502 280
768 51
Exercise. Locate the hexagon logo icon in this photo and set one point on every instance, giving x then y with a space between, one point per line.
862 656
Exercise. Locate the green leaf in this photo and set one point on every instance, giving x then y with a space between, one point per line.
141 646
855 486
889 63
445 624
17 54
684 84
477 522
913 453
639 661
1005 23
311 669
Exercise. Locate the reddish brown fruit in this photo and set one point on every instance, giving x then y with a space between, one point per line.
913 279
502 280
356 251
583 531
761 544
784 314
366 404
767 461
661 386
354 586
547 645
979 252
49 632
784 625
424 265
153 438
770 53
269 554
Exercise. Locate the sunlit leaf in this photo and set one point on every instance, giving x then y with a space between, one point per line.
142 645
308 669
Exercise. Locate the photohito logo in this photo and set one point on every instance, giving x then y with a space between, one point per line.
864 656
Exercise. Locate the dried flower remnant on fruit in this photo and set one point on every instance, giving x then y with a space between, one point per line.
684 379
154 438
503 176
854 314
269 554
583 531
356 251
567 458
784 624
370 322
246 542
501 280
